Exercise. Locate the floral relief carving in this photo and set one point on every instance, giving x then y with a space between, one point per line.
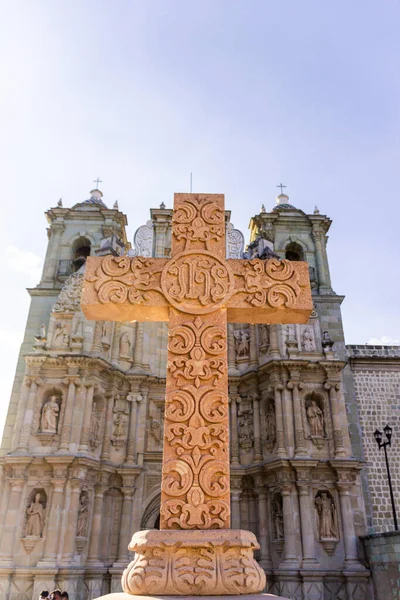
69 299
198 220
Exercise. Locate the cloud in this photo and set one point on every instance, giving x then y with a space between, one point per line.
385 340
24 262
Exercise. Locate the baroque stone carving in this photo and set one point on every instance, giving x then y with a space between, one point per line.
187 563
35 517
264 339
234 242
327 520
83 515
277 517
120 428
50 415
242 344
246 428
96 420
106 335
308 343
60 336
69 299
143 241
270 424
315 417
125 345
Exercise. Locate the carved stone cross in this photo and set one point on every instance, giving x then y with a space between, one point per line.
197 291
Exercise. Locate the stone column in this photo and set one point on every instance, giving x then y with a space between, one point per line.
253 363
125 530
257 428
290 554
344 423
263 537
55 516
233 399
115 344
307 530
138 350
28 416
301 449
96 344
349 535
93 557
51 262
232 368
274 351
337 426
319 254
87 415
9 533
69 407
236 490
280 433
72 520
141 425
24 394
106 450
244 510
133 397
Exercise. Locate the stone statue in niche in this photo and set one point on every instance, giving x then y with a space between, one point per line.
264 338
155 430
242 344
35 518
270 423
60 338
325 506
315 418
120 424
277 518
95 427
246 429
83 515
106 335
50 414
124 346
308 343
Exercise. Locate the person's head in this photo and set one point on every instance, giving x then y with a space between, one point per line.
56 595
65 595
44 595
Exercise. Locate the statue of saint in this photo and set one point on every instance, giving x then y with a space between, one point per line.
270 423
106 333
315 417
246 431
326 513
124 345
278 520
94 427
50 412
308 341
120 422
60 335
83 516
35 521
242 343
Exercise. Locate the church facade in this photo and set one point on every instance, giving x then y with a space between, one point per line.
82 446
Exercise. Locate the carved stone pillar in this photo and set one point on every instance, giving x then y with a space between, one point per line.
301 448
96 344
280 434
93 557
244 510
318 241
307 530
349 535
274 351
257 428
342 411
87 415
55 516
115 344
51 262
138 351
125 526
290 554
263 536
72 520
30 393
232 368
9 533
69 407
253 363
105 453
141 420
236 490
233 400
16 441
337 426
135 399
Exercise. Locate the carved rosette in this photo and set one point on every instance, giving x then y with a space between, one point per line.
188 563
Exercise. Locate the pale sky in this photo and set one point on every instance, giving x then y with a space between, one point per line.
243 93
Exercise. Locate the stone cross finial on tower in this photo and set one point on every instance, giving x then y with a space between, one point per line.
280 185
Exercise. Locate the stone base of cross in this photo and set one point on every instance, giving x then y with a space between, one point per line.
197 291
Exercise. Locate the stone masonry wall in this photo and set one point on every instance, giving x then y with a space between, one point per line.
383 555
376 371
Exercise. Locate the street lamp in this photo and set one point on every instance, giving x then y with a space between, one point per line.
378 436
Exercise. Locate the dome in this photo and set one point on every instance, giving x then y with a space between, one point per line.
94 200
282 201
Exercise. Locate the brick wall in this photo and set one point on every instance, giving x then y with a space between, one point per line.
376 371
383 554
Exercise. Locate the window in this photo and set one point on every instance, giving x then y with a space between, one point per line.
294 251
80 251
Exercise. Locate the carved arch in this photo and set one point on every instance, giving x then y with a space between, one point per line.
151 514
293 240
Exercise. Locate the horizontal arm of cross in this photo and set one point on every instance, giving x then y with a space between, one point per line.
143 289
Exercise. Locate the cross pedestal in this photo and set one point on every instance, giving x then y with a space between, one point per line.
197 291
